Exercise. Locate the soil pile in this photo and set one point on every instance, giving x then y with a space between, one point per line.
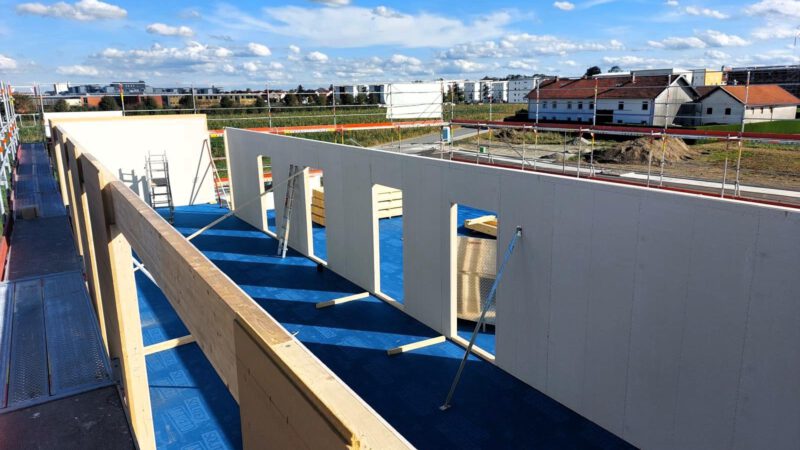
639 150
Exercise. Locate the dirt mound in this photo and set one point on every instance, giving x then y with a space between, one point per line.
639 150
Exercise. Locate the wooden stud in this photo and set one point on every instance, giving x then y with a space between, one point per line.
169 344
339 301
416 345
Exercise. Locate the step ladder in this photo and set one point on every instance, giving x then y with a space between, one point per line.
158 180
219 185
288 204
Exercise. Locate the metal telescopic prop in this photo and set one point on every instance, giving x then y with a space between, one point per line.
486 306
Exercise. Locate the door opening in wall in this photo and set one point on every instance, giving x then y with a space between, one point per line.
268 202
388 205
319 235
475 233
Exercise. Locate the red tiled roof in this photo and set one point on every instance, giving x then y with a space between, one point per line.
761 94
621 87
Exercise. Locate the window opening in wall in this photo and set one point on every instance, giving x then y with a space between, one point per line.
727 111
645 106
475 267
621 106
709 110
388 204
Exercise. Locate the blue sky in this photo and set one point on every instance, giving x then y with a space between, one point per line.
315 43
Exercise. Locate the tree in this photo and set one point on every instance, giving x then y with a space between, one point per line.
185 102
61 106
150 103
290 100
108 103
615 69
260 102
226 102
373 99
592 71
346 99
24 104
361 98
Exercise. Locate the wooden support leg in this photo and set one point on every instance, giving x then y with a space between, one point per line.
415 345
339 301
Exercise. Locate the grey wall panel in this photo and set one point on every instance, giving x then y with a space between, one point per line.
610 283
768 408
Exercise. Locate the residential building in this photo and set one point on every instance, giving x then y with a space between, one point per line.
753 104
626 99
498 92
518 89
787 77
472 92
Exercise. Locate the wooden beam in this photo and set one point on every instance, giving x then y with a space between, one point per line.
169 344
339 301
120 301
416 345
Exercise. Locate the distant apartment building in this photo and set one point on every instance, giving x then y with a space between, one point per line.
472 91
787 77
498 92
518 89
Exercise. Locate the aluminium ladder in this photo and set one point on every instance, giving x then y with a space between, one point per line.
158 182
288 204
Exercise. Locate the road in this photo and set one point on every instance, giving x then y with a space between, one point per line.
427 141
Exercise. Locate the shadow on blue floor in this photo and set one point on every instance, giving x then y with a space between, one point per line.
491 409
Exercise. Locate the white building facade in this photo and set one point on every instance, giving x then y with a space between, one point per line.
519 89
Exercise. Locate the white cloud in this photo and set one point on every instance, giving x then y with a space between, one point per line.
706 12
7 63
168 30
672 3
775 8
678 43
636 62
78 70
776 31
386 12
318 57
704 39
719 39
465 66
84 10
717 55
332 3
569 63
403 59
256 49
522 64
294 49
192 56
564 6
352 26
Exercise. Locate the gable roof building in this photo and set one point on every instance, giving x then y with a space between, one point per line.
751 104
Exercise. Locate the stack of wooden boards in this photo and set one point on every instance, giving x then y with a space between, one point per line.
389 203
484 224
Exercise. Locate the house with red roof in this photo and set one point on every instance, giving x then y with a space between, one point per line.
753 104
624 100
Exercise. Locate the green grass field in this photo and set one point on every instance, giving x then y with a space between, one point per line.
778 126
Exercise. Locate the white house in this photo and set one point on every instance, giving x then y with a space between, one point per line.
518 89
765 102
625 99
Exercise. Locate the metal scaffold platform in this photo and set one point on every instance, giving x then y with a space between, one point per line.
56 378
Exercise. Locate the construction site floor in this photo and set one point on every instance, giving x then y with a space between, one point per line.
57 389
492 409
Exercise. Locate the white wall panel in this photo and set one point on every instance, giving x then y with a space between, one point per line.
668 318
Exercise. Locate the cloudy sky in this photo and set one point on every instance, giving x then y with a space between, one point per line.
317 42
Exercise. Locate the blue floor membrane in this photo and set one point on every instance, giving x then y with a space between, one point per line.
192 409
492 409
